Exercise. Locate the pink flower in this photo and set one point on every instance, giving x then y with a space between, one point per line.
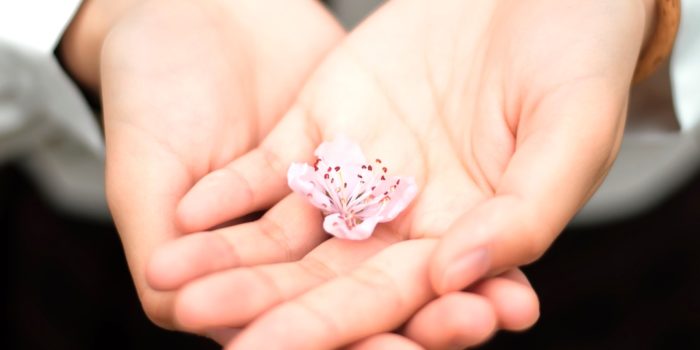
355 195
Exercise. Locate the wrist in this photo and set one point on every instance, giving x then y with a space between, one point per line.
81 44
661 24
650 15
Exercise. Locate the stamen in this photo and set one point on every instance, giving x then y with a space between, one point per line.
356 201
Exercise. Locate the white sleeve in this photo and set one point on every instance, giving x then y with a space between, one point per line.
45 123
685 67
35 24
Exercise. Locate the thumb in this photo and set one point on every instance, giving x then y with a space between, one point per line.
563 151
252 182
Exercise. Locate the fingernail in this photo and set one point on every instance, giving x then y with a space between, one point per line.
465 269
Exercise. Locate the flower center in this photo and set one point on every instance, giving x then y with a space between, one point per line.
358 198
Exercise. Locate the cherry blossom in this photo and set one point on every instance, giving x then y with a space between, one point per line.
354 194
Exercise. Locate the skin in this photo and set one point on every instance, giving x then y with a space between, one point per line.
83 38
509 114
189 86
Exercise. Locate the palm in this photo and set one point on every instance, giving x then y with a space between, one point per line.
452 112
483 106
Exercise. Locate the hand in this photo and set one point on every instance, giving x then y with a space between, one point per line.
452 321
187 86
509 115
141 62
460 320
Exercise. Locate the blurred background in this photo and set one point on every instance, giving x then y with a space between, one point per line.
626 275
634 284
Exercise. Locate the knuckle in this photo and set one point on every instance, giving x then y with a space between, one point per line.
275 233
315 267
380 283
247 195
230 249
332 328
272 160
268 282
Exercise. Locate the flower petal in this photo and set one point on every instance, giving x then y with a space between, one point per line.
301 178
353 195
341 151
401 197
336 226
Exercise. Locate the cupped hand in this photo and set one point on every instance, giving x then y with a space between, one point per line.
187 86
190 85
508 114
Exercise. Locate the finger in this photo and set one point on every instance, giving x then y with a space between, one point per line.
235 297
252 182
286 232
385 341
222 335
453 321
374 298
512 298
461 319
562 154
